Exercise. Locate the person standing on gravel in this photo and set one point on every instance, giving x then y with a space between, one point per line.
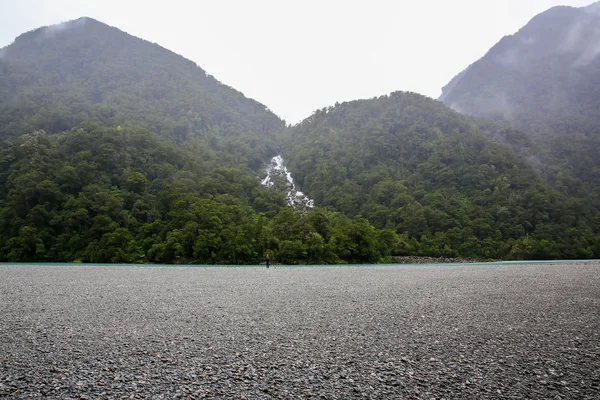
267 260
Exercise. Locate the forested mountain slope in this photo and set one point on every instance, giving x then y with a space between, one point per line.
412 165
57 77
544 79
113 149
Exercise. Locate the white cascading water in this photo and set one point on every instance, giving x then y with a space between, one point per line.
294 197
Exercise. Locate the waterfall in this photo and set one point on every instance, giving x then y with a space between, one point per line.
294 197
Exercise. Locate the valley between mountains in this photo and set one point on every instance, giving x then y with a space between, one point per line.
116 150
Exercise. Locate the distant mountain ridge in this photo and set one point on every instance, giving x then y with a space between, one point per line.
96 71
544 79
564 41
594 8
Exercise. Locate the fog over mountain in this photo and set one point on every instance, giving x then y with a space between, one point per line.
544 79
548 64
297 57
90 70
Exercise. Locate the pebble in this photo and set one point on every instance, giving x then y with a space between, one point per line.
375 332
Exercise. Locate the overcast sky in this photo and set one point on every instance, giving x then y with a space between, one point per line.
299 56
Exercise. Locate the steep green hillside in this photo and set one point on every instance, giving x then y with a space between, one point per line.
113 149
57 77
412 165
544 79
126 195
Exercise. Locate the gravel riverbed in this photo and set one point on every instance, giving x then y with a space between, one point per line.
376 332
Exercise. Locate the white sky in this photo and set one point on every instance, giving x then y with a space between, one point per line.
299 56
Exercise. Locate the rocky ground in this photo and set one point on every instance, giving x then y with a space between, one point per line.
435 260
419 332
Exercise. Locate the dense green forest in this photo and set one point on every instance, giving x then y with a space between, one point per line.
113 149
545 81
122 195
411 165
117 150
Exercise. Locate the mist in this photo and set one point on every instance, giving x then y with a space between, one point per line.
300 57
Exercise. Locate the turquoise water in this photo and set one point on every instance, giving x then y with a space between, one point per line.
496 263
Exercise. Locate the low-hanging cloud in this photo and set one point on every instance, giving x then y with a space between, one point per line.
51 31
591 51
509 57
573 38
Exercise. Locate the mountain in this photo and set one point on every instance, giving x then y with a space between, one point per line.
84 70
545 80
114 149
543 68
411 165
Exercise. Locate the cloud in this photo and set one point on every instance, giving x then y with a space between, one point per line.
529 40
590 47
508 58
588 55
573 38
51 31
